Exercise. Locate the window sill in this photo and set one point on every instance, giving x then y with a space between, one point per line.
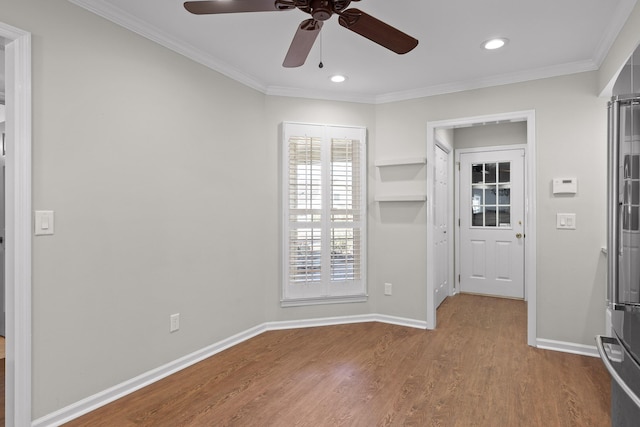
323 300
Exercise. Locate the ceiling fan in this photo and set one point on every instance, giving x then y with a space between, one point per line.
320 10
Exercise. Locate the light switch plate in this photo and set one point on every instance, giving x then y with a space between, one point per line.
388 288
44 224
566 221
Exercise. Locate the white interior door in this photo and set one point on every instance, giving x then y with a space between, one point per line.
441 239
492 223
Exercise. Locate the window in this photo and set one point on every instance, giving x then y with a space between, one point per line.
491 194
324 207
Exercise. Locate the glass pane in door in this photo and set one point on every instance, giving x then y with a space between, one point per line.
504 173
477 174
491 194
490 172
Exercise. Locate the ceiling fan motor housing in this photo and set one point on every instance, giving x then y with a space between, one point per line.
321 10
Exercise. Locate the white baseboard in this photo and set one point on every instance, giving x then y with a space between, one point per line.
344 320
567 347
109 395
401 321
323 321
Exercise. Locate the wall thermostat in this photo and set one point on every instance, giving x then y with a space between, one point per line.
565 185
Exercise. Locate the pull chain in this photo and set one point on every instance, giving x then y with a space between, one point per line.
320 65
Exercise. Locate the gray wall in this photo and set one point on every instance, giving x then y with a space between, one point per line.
164 178
154 167
490 135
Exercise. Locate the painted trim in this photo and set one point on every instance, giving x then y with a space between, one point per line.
622 12
148 31
531 229
18 225
345 320
567 347
491 81
401 321
323 321
300 302
430 223
320 94
111 394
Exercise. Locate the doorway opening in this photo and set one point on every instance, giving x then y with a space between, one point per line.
440 135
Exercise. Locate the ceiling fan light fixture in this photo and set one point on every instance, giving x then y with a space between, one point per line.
493 44
338 78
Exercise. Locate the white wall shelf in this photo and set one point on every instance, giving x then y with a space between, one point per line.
401 198
402 162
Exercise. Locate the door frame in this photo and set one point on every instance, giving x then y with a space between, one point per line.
17 44
458 233
529 207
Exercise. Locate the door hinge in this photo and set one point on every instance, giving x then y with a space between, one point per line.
458 278
458 222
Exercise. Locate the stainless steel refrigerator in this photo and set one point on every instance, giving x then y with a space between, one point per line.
620 351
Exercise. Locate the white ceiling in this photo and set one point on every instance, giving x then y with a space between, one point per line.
547 38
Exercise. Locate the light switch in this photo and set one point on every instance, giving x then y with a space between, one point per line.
566 221
43 223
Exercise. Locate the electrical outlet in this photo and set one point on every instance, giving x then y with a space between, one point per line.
388 287
175 322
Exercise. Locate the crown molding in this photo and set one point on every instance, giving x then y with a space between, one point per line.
499 80
620 17
320 94
130 22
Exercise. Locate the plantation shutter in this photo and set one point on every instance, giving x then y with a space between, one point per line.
324 213
305 209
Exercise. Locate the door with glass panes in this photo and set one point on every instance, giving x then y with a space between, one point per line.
492 223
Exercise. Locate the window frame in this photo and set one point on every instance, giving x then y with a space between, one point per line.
325 290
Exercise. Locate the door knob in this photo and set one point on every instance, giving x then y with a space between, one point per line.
518 235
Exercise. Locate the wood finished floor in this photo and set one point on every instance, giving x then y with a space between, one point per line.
474 370
2 380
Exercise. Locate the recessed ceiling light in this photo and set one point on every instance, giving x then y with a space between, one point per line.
338 78
494 44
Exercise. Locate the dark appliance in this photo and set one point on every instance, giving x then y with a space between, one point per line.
621 351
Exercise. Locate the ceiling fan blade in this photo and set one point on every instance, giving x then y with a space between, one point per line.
302 43
232 6
377 31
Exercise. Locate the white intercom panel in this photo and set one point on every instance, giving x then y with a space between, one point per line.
565 185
